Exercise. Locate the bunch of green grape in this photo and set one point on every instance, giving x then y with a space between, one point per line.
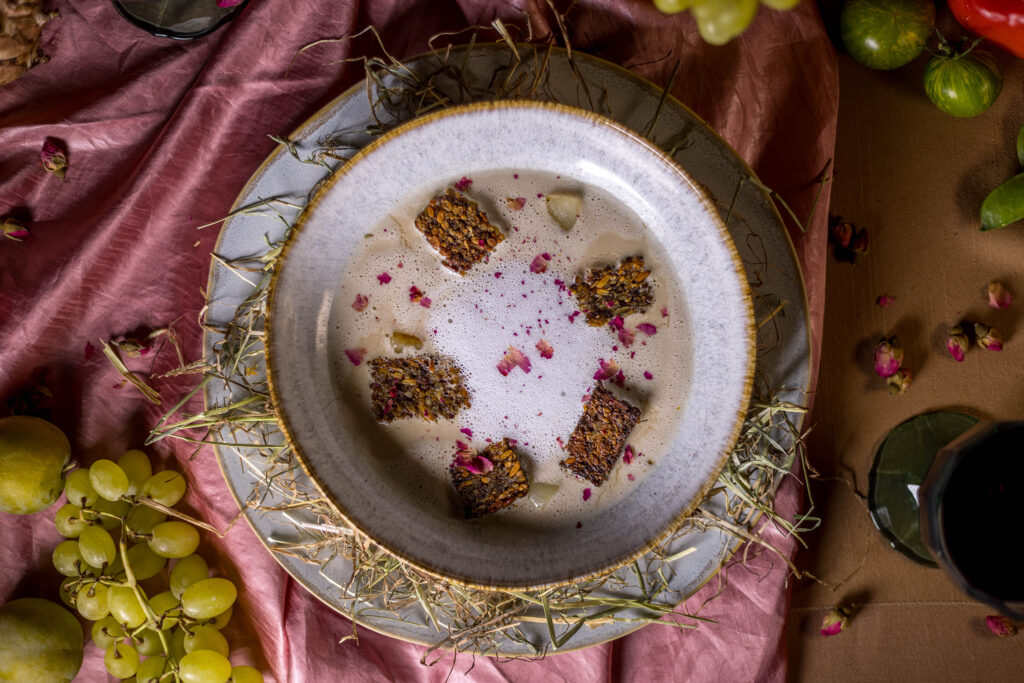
719 21
119 535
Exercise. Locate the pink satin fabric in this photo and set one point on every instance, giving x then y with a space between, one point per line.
161 137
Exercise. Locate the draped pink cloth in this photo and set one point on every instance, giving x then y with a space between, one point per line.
161 137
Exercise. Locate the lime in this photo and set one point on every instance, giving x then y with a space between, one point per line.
40 641
33 453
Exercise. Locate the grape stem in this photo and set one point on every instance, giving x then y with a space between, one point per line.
151 619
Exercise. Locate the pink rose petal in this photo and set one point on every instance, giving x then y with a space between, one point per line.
586 494
664 311
515 203
619 379
415 295
885 301
608 369
616 323
425 302
648 329
627 455
544 348
463 184
572 316
384 278
511 359
626 337
648 375
998 295
355 355
540 263
467 431
360 303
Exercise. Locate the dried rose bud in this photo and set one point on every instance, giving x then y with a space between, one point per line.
998 295
14 230
1000 625
888 356
988 337
840 232
859 243
885 301
957 343
55 159
836 620
899 382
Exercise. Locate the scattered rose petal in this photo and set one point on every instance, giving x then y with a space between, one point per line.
497 275
860 242
630 477
627 455
998 295
608 369
360 303
13 229
616 323
1000 625
648 375
540 263
384 278
619 379
355 355
835 621
899 382
626 337
55 159
888 356
885 301
415 295
572 316
515 203
648 329
425 302
511 359
463 184
467 431
544 348
586 494
664 311
988 337
957 343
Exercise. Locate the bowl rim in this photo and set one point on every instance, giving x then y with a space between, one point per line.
723 235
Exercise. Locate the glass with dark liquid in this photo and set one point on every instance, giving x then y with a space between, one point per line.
972 504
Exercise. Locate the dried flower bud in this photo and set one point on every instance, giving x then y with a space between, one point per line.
840 232
13 230
885 301
899 382
836 620
957 343
1000 625
859 243
888 356
988 337
55 159
998 296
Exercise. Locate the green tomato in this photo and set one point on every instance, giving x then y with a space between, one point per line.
39 641
963 85
33 453
1004 205
886 34
719 21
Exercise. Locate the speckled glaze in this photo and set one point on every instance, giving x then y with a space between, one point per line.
424 156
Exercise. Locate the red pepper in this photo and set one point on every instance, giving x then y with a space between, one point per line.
999 21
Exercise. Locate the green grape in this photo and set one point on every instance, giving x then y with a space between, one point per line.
106 632
165 487
115 511
208 598
206 638
174 539
91 601
166 608
69 591
221 620
122 660
136 465
204 666
67 521
108 479
142 518
125 606
187 571
178 644
144 562
147 642
673 6
246 674
97 546
781 4
719 21
67 558
151 669
78 488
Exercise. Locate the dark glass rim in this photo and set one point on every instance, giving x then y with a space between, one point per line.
176 35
